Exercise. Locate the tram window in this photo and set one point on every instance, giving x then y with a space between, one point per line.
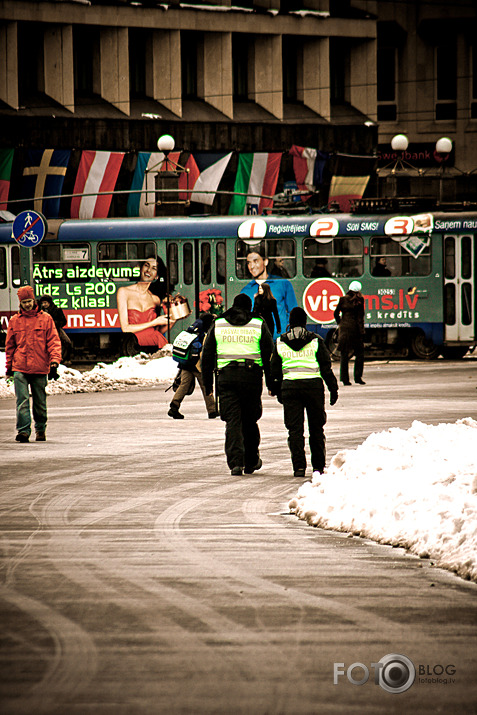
188 265
449 257
124 257
338 257
280 252
173 264
466 253
466 297
205 264
398 260
449 303
220 262
59 262
15 259
3 268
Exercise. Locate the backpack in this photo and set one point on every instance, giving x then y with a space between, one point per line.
186 349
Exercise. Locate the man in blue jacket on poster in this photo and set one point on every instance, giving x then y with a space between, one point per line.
281 288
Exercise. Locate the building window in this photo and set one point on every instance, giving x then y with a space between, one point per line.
473 111
240 63
290 55
30 62
189 42
339 70
85 49
446 82
386 79
137 63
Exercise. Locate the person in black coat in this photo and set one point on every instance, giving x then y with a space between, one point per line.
349 316
265 306
300 365
380 269
230 346
47 304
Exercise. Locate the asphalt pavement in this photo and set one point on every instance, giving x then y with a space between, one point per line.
139 578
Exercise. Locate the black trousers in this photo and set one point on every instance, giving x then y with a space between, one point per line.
345 345
240 409
296 401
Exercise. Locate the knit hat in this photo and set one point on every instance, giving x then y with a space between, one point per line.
243 301
355 286
25 293
297 318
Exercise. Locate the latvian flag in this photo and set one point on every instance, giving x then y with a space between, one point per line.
98 171
6 161
308 165
257 175
350 177
205 173
43 176
144 180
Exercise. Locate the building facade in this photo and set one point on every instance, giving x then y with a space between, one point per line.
243 76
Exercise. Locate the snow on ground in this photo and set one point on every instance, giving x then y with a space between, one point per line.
414 488
141 370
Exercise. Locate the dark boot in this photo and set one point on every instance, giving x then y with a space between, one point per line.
174 413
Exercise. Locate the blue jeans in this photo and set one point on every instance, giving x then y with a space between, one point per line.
37 384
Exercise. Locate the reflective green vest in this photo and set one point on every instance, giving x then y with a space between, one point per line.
299 364
238 342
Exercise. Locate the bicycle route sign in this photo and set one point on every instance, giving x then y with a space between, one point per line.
29 228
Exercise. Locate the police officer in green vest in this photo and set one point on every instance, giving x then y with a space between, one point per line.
300 364
240 346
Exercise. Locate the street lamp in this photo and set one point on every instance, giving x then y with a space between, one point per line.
166 144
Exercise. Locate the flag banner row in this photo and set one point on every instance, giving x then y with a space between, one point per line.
97 173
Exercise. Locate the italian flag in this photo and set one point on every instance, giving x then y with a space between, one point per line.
6 161
257 176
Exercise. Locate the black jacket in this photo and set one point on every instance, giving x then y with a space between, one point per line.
349 315
234 316
296 338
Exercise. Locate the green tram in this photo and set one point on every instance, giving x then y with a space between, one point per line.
425 307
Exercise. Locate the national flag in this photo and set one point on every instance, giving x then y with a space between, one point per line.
43 176
205 173
308 165
6 161
97 172
144 179
350 177
257 175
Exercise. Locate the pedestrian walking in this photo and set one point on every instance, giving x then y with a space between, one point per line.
265 306
47 304
191 369
349 316
240 346
300 365
33 353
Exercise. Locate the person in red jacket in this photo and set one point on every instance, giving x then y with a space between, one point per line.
33 353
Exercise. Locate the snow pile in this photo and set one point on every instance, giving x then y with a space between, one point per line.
139 370
414 488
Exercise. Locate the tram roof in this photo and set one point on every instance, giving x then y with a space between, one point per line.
247 227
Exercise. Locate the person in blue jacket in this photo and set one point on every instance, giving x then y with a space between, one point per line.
281 288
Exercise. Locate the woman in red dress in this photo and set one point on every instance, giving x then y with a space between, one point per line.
138 308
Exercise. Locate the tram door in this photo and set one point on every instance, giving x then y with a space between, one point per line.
459 288
9 284
197 271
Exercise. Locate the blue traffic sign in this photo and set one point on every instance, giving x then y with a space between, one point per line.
29 228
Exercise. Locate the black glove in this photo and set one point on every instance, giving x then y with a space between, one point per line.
333 398
53 374
9 373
